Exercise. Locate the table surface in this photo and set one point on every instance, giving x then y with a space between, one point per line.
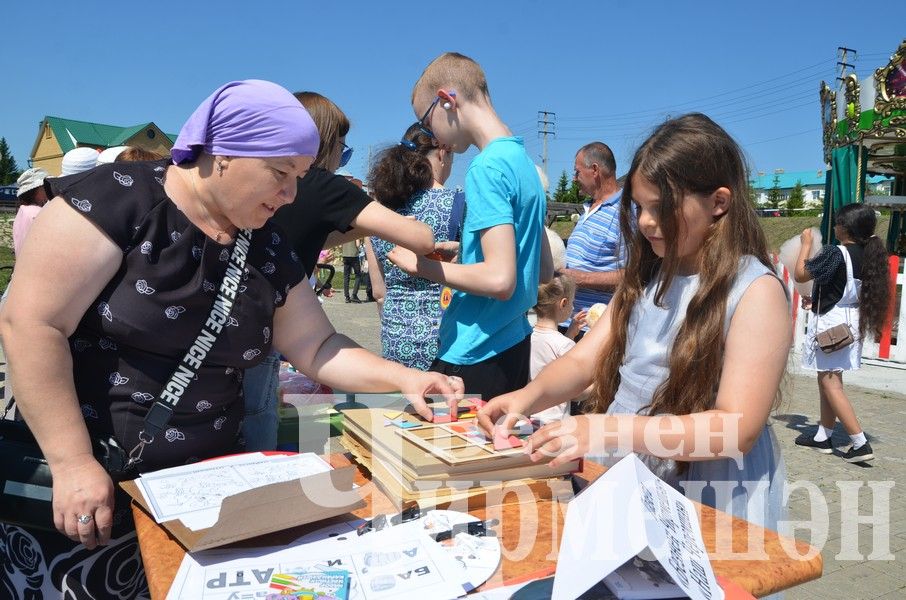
745 557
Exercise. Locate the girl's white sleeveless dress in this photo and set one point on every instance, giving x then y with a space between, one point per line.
752 490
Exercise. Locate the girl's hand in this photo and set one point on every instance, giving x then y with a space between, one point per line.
81 486
405 259
503 411
566 440
580 319
418 384
806 237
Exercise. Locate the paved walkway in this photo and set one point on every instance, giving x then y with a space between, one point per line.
849 575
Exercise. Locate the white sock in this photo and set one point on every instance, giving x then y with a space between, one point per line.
823 433
858 440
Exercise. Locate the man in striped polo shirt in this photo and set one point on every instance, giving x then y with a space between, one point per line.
593 254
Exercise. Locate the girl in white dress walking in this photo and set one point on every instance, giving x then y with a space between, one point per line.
851 288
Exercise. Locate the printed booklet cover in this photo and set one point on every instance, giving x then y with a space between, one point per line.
310 585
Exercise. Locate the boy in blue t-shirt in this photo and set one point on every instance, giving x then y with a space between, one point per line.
484 334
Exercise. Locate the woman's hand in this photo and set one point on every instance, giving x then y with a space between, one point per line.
416 384
806 302
81 487
504 411
806 237
567 440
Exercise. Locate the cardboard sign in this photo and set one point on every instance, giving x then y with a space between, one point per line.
625 512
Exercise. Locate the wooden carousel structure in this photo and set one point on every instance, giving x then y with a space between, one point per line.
865 134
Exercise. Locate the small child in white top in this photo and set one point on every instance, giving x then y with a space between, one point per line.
555 305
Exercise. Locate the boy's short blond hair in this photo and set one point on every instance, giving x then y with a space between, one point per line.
456 71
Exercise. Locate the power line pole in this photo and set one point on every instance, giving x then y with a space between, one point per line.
546 119
842 52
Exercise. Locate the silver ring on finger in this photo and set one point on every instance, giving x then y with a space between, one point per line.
84 519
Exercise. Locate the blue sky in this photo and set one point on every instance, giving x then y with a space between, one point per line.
609 70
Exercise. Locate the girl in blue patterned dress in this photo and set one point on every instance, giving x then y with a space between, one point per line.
409 178
687 360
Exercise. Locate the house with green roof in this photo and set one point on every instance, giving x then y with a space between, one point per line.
57 136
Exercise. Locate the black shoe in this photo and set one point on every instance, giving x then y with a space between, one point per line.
355 301
348 300
808 440
861 454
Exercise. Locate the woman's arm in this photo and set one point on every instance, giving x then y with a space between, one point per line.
378 220
65 263
305 336
375 272
755 356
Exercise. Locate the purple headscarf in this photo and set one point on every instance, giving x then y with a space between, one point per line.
248 118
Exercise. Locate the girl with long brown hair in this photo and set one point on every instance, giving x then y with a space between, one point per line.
688 357
851 287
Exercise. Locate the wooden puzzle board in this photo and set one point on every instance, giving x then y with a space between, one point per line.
455 443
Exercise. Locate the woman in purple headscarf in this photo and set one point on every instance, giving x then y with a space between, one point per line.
117 280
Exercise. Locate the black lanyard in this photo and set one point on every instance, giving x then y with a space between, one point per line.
162 409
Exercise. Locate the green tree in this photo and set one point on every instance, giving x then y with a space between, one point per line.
562 188
567 191
753 197
774 195
9 170
575 196
797 197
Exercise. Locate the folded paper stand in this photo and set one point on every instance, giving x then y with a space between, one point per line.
267 509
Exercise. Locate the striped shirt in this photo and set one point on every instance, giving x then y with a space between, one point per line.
594 245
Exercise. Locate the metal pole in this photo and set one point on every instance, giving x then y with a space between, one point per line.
545 118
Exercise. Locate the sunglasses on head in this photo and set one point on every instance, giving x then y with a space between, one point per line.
423 122
347 154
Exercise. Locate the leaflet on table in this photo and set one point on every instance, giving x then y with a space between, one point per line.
227 554
399 562
616 518
193 493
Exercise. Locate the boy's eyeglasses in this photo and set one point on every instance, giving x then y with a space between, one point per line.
423 122
347 154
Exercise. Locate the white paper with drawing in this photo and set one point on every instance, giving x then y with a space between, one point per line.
399 562
193 493
625 511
